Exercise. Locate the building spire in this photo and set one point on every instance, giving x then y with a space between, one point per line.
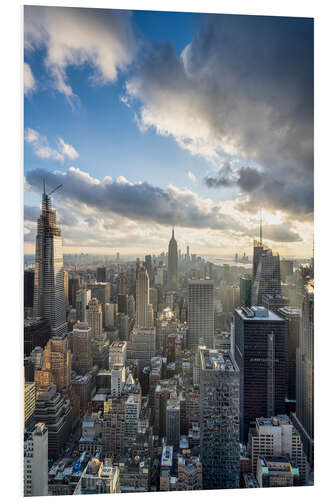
173 231
260 230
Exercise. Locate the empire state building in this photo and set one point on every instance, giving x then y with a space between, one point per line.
173 263
49 291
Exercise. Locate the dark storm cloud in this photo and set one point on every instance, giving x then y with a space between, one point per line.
143 202
243 86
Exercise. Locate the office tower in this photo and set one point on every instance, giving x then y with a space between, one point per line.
36 461
273 302
173 263
275 437
83 298
122 284
98 477
29 402
29 277
266 279
56 412
113 426
142 345
232 299
261 355
200 313
275 472
94 317
82 348
36 333
49 293
173 421
101 274
117 353
149 267
144 310
74 284
287 269
57 360
118 378
245 290
189 473
102 292
292 317
132 413
110 315
303 419
66 289
219 419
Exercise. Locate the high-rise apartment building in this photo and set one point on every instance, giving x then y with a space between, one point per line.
261 355
219 419
82 360
49 292
36 461
172 263
200 313
95 317
275 437
144 310
303 418
83 298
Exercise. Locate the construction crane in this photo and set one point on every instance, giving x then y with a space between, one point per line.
55 189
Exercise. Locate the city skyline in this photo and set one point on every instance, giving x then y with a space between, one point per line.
207 173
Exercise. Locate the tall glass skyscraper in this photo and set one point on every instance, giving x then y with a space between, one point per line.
49 292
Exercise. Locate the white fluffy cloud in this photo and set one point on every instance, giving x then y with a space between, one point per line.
42 149
29 80
101 39
191 176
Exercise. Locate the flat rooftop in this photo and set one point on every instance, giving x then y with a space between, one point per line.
213 359
257 313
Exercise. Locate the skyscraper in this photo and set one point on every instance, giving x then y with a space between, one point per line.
245 290
200 313
49 292
144 310
94 317
172 263
36 461
82 348
266 279
83 297
101 274
303 419
219 419
261 355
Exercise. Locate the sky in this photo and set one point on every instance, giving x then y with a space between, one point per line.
152 119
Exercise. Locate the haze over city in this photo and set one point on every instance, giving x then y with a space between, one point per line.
152 119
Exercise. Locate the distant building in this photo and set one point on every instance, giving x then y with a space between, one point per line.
36 461
74 285
260 353
173 263
292 317
287 269
200 313
144 310
245 290
94 317
101 274
101 292
142 345
219 420
83 298
82 360
274 302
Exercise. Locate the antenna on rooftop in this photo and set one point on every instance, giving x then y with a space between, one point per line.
260 230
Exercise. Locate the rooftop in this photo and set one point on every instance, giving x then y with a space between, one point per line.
213 359
257 313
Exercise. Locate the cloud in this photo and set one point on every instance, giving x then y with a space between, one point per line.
43 150
102 40
67 149
29 80
191 176
243 88
88 205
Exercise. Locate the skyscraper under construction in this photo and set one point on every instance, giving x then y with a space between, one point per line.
49 292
